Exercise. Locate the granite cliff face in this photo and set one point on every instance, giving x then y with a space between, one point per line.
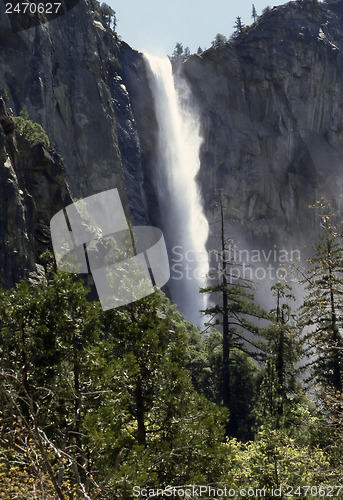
272 121
271 112
32 189
64 74
272 118
59 72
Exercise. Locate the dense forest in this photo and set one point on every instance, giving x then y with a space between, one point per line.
132 401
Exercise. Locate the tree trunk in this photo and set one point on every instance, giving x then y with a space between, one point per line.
77 404
140 412
226 330
337 376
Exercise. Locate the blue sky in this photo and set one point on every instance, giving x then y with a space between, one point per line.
154 26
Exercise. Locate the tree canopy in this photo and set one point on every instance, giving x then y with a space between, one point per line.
95 403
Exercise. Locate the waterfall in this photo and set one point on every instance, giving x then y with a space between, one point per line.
177 163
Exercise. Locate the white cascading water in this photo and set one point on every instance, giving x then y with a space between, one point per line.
183 222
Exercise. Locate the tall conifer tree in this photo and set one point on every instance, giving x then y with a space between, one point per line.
321 312
233 308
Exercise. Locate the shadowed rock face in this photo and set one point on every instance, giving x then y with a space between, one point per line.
271 115
272 118
62 72
32 187
59 72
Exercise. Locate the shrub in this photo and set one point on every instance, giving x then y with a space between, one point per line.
4 94
33 132
113 65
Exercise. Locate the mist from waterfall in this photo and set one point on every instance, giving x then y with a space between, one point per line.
177 163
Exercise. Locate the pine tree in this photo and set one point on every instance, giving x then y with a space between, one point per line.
278 394
269 400
234 309
254 13
321 315
239 26
283 342
186 53
178 53
108 16
156 409
322 312
91 389
219 41
53 331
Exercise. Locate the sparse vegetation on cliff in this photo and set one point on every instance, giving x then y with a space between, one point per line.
33 132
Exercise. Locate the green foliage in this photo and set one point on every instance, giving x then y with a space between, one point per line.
274 460
148 338
113 65
22 470
104 14
269 397
254 13
277 394
24 113
180 54
244 380
321 312
233 307
33 132
104 385
205 363
93 403
239 26
219 41
234 374
4 94
108 16
241 310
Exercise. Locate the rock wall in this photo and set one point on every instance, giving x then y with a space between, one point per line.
32 189
272 122
271 112
66 75
59 71
144 122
